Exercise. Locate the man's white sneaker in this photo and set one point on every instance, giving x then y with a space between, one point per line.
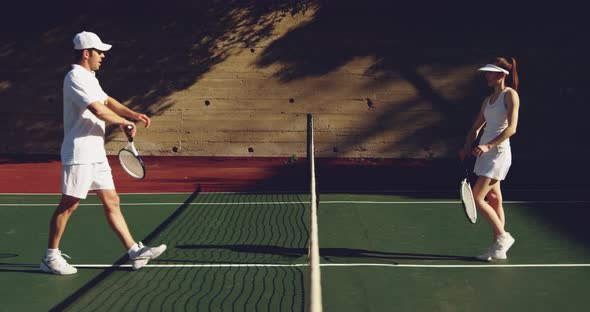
145 254
57 265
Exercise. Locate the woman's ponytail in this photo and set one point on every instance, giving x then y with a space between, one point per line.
510 67
514 74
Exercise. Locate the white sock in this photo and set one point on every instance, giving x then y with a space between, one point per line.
51 252
133 250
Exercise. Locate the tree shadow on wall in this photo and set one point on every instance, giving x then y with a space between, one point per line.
163 48
405 37
158 49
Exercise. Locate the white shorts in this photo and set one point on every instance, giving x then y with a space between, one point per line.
77 180
494 163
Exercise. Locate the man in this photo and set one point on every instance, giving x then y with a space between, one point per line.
84 163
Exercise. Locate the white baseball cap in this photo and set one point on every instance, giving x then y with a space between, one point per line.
494 68
89 40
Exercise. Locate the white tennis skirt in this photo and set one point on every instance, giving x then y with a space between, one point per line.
494 163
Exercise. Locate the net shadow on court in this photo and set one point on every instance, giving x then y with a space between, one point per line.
69 301
254 280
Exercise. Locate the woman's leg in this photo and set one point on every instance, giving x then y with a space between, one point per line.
481 189
495 200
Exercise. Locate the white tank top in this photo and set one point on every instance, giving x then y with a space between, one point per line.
496 120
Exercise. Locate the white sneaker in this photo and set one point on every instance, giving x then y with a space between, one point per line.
145 254
499 249
57 265
505 241
487 255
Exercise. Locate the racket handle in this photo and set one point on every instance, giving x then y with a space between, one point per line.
128 133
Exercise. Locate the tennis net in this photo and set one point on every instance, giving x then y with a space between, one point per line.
315 288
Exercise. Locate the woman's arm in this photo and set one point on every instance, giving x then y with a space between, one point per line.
473 132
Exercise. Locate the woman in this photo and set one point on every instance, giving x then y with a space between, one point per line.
499 114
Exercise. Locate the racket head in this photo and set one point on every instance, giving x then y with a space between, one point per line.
468 202
131 162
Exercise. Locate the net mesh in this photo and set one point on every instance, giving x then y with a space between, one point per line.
315 302
131 164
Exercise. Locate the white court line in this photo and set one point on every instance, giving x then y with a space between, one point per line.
382 265
321 203
457 202
164 204
466 266
388 192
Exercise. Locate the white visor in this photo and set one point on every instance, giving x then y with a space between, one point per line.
494 68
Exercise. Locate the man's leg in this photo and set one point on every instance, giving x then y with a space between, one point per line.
57 225
53 261
140 255
112 209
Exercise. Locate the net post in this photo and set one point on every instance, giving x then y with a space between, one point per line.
315 289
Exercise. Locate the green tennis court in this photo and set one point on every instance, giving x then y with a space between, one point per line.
408 251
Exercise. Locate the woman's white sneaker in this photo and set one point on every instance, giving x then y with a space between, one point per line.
499 250
504 242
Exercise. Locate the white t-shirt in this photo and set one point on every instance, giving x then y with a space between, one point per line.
83 132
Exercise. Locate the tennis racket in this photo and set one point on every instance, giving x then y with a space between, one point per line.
129 158
467 197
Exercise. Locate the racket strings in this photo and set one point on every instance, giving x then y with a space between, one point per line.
468 202
131 164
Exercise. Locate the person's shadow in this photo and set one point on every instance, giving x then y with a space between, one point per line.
18 267
326 253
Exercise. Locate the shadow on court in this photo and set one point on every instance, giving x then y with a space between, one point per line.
326 253
109 271
17 267
7 255
6 269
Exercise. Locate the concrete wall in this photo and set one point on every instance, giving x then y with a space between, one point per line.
237 79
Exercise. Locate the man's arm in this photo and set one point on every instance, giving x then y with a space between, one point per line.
104 113
121 110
